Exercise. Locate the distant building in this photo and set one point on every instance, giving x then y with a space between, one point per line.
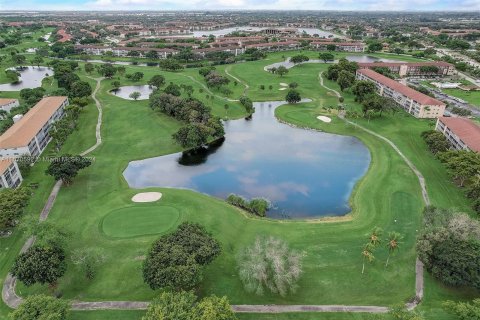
462 133
10 176
7 104
163 53
339 46
275 46
29 135
416 103
413 68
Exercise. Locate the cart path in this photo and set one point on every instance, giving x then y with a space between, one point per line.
419 281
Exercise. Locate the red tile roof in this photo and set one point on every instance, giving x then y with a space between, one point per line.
398 64
465 129
419 97
4 165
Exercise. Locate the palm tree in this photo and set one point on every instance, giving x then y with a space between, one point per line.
375 236
367 254
392 244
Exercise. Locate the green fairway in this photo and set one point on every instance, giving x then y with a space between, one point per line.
139 221
97 210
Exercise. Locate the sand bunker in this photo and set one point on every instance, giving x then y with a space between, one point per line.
324 119
283 84
281 89
147 197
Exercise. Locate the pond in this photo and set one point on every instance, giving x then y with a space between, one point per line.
222 32
368 59
124 92
303 173
30 77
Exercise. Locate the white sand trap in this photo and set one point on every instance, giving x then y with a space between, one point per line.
147 197
283 84
281 89
324 119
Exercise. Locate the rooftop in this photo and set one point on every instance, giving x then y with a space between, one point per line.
4 101
406 91
23 131
465 129
398 64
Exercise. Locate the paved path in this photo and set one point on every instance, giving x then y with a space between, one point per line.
419 285
98 128
9 295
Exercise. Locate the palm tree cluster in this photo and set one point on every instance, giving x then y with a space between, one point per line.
375 240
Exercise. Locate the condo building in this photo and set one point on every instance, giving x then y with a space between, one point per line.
10 176
462 133
415 103
29 135
339 46
413 68
7 104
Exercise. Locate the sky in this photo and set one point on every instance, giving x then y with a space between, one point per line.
345 5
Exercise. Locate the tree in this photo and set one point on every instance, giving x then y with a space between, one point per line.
345 79
326 56
461 164
173 89
184 306
393 244
331 47
269 265
12 75
157 81
66 167
136 76
116 85
375 46
247 103
89 68
299 59
172 305
226 106
107 70
362 89
135 95
12 205
19 59
449 247
464 310
214 308
80 89
175 260
367 254
281 71
436 141
37 60
40 264
41 307
293 96
293 85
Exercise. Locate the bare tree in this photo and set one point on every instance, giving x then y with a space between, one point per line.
270 265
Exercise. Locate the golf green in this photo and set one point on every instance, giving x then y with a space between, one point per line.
139 221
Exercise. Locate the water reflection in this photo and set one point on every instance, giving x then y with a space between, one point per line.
125 92
304 173
30 77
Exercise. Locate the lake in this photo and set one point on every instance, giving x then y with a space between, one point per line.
124 92
304 173
30 77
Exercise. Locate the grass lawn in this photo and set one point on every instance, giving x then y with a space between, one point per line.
98 212
472 97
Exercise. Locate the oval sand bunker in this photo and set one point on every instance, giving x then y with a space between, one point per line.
147 197
324 119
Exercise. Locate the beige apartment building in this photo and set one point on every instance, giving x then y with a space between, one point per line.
413 68
29 135
415 103
462 133
10 176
